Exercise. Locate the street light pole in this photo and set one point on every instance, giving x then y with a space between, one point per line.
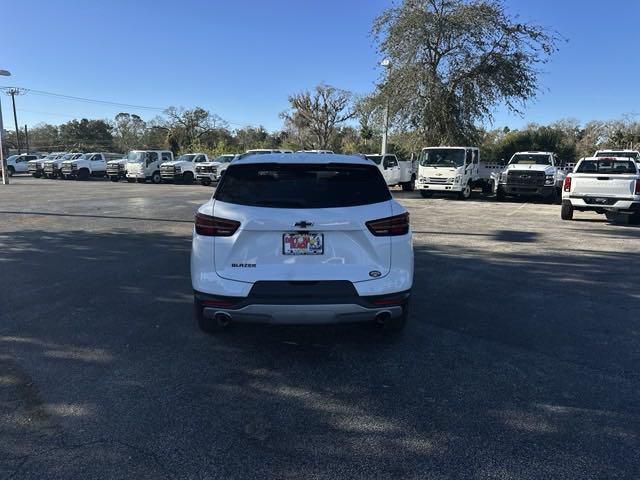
3 167
386 63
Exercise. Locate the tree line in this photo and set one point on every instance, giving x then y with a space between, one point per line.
449 63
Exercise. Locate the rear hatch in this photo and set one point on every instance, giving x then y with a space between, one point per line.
344 248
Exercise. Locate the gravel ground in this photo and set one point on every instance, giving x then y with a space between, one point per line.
520 360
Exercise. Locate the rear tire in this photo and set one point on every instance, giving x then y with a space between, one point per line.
409 186
566 212
156 178
207 325
487 188
426 194
10 171
83 174
500 195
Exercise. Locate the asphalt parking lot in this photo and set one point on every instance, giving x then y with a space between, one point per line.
520 360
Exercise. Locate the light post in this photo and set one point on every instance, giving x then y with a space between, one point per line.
5 177
386 63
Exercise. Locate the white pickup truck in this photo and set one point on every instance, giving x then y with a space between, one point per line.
209 172
531 174
53 167
454 170
183 169
19 163
36 167
396 172
605 185
92 164
117 169
143 165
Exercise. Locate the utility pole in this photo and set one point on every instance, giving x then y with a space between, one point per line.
26 138
3 167
386 63
13 92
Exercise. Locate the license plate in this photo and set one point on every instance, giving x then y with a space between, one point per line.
303 244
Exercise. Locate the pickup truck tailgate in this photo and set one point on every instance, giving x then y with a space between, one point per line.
603 184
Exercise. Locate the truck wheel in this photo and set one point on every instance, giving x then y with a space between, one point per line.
426 193
156 178
207 325
566 212
83 174
500 196
634 218
554 197
10 170
409 186
187 178
465 193
205 182
487 188
114 178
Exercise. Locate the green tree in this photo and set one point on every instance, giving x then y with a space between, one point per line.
452 61
86 135
128 131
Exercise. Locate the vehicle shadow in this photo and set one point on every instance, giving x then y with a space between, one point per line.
511 365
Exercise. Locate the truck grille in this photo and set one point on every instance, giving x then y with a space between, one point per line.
528 178
205 169
167 170
68 168
115 169
49 168
441 180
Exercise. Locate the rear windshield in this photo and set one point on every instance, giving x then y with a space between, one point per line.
609 166
302 185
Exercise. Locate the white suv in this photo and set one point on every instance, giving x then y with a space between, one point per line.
301 239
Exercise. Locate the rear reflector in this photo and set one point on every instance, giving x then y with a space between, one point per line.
637 187
390 226
209 226
567 184
220 303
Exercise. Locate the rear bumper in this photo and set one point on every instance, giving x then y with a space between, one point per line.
300 311
630 205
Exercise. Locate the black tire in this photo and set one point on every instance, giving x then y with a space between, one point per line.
554 197
396 325
487 188
114 178
634 218
11 171
207 325
156 178
83 174
426 193
205 182
566 212
187 178
409 186
500 195
465 194
611 216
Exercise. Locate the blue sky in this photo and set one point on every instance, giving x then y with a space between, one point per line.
241 59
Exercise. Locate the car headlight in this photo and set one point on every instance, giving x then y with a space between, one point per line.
550 180
503 178
455 180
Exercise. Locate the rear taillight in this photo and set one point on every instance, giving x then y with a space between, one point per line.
390 226
215 227
567 184
637 187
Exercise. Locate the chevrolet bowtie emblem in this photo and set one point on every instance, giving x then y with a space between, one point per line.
303 224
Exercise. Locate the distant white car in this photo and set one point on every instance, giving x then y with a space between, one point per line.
301 239
19 163
605 185
209 172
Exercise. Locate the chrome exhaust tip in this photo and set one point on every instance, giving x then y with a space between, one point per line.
222 319
383 317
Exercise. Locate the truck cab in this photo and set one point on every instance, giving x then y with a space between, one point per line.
92 164
209 172
183 169
531 174
451 170
143 165
606 185
19 163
